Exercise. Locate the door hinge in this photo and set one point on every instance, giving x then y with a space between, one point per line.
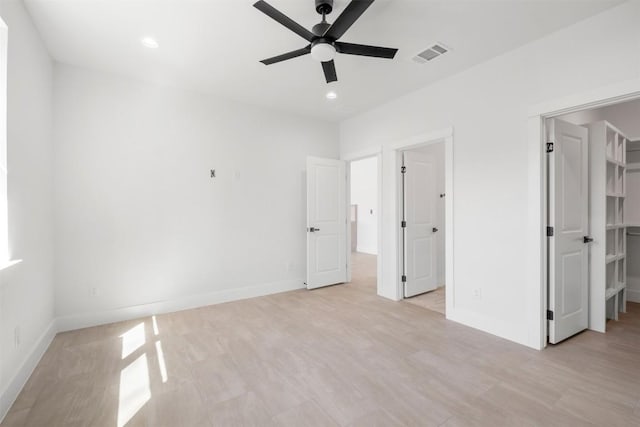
403 224
549 315
549 231
550 147
404 279
403 169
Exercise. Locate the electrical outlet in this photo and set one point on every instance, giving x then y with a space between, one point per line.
94 292
16 337
477 293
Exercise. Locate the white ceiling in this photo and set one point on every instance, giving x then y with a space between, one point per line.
214 46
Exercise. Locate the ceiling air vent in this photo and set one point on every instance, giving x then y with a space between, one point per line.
430 53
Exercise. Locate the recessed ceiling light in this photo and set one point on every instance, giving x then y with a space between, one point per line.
149 42
332 95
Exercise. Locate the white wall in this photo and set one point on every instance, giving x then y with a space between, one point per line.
436 152
364 193
26 289
624 116
488 107
138 220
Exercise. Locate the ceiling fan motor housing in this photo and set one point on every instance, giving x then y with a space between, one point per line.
321 28
324 7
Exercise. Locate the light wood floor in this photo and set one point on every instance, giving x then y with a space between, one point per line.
434 300
333 356
364 269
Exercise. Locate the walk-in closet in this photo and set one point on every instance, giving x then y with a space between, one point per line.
614 209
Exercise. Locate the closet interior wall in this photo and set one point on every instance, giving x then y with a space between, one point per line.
632 216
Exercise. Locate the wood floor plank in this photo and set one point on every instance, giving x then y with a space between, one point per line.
434 300
307 414
334 356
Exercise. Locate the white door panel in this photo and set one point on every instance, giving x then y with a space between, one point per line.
422 258
326 222
569 217
420 215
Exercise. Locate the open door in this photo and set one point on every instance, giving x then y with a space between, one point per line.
326 222
420 244
568 229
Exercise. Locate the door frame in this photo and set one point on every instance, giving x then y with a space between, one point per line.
361 155
389 280
445 137
536 252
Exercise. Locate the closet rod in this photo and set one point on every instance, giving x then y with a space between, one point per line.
633 234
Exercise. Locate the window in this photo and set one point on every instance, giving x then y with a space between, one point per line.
4 228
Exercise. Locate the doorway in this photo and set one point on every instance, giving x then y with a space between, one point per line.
592 246
422 210
363 217
389 271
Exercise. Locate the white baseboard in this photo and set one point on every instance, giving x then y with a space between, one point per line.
371 250
633 295
16 384
85 320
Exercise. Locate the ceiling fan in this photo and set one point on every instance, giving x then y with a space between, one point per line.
323 37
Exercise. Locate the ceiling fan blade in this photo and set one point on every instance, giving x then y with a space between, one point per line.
364 50
329 69
346 19
283 19
288 55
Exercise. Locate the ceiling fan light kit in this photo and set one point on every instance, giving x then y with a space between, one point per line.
323 52
323 37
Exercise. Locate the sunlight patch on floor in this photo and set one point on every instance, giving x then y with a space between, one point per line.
134 389
132 340
161 364
156 331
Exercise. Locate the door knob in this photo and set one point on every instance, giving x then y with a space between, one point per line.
313 229
587 239
435 230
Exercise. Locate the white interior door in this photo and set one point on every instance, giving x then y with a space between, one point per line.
326 222
421 250
569 219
